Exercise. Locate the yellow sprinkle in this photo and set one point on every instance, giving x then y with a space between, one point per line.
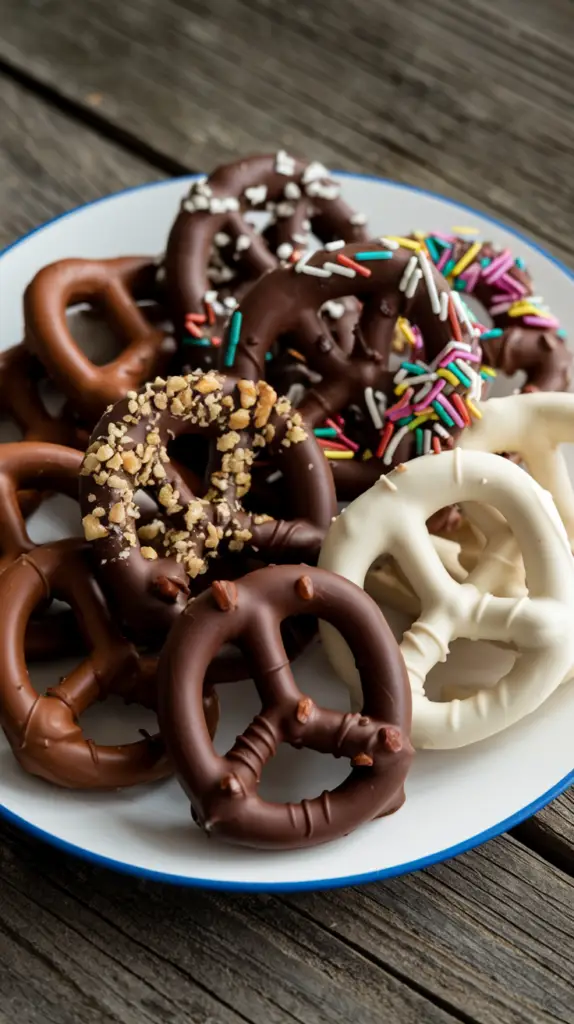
472 407
367 454
401 388
458 230
488 370
448 375
406 243
405 327
523 308
424 416
331 454
467 259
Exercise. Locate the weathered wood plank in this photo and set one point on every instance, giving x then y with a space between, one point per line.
140 952
49 163
484 938
407 90
551 832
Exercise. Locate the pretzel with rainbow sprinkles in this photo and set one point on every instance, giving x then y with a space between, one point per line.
391 517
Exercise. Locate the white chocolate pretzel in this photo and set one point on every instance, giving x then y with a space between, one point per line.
391 517
533 425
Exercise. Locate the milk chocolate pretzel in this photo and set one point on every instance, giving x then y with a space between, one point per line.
20 376
223 790
114 286
213 250
391 280
43 731
524 335
147 573
43 466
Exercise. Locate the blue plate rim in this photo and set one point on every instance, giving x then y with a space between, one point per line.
343 880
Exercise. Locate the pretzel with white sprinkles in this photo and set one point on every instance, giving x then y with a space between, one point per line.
391 518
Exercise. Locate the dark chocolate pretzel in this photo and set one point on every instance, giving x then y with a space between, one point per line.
114 286
391 281
223 790
300 197
524 335
43 731
147 573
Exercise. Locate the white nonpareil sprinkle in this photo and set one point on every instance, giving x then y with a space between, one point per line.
409 270
443 306
242 243
306 225
389 243
301 263
256 194
221 239
284 210
322 190
430 282
372 408
292 190
413 283
358 219
230 303
210 296
315 271
284 251
300 239
333 246
337 268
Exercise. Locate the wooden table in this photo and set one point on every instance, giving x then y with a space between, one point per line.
473 100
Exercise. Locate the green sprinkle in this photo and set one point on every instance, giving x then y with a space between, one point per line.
325 432
233 339
485 261
362 256
413 368
202 342
458 373
496 332
404 421
433 251
449 267
268 356
443 415
561 333
520 263
419 439
459 285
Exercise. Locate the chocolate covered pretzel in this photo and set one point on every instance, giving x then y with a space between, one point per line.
391 280
525 335
43 730
114 286
148 572
223 790
213 250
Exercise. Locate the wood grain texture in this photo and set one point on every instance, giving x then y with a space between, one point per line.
484 938
406 90
49 163
551 832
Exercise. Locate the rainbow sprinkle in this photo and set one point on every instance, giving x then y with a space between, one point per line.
432 400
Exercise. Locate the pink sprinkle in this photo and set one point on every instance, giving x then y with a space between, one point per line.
397 414
511 284
339 420
436 388
498 267
502 308
443 238
451 411
471 276
549 323
471 357
418 337
348 442
445 256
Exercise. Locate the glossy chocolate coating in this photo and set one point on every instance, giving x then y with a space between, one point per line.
541 353
316 207
114 286
148 591
223 790
43 731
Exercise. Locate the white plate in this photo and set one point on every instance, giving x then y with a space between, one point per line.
455 799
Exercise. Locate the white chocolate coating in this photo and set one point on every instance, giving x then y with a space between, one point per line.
391 518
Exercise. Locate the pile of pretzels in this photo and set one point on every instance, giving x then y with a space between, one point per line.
295 432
